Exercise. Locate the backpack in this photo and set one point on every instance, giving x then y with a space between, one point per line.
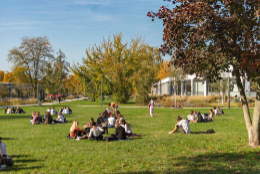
7 160
200 119
210 131
110 138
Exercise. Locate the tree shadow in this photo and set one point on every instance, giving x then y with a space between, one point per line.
212 163
8 138
15 117
25 163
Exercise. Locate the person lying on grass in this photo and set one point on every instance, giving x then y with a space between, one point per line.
94 134
183 125
37 119
89 125
74 130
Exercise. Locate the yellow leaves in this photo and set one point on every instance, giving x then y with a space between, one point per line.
2 73
163 71
8 77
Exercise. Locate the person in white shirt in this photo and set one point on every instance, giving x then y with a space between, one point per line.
111 121
53 111
60 118
183 125
49 110
65 110
3 154
215 110
128 130
94 134
151 104
191 116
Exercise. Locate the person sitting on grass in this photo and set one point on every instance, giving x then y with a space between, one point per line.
48 110
94 134
3 153
119 118
48 118
37 119
65 111
100 122
6 109
33 115
108 110
183 125
111 121
220 111
89 125
128 130
199 118
191 116
13 110
215 110
19 111
53 111
70 111
210 116
75 131
60 118
119 132
9 111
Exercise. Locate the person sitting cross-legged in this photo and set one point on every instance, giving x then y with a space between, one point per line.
60 118
53 111
128 130
94 134
111 121
119 132
183 125
89 125
37 119
48 118
75 131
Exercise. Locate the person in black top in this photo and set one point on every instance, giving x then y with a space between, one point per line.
100 120
119 133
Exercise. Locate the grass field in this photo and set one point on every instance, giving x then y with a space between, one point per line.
45 148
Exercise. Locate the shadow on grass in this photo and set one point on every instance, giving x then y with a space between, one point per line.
15 117
200 133
9 138
23 164
240 162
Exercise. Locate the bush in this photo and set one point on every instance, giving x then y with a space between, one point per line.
201 99
251 100
235 100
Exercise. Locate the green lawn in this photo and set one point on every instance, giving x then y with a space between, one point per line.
45 148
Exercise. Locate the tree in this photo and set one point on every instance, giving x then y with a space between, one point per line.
117 64
8 77
55 72
33 55
3 91
2 73
163 71
209 37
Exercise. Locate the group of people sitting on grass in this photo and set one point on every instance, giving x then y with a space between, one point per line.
197 117
14 110
47 119
95 130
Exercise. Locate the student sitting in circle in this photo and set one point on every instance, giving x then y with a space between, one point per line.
119 118
60 118
89 125
128 130
74 130
119 132
111 121
37 119
65 110
183 125
220 111
9 111
215 110
191 116
101 123
13 110
48 118
6 109
48 110
70 111
95 133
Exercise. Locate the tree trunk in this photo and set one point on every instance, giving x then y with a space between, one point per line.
253 140
256 118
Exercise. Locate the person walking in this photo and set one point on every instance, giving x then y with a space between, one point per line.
151 104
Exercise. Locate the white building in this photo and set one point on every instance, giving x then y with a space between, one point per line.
192 86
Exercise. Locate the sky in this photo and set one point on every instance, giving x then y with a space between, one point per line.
75 25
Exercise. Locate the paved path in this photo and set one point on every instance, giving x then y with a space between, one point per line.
46 104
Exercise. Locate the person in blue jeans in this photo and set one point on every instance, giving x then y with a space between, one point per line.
111 121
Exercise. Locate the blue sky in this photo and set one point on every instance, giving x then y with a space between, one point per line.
74 25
